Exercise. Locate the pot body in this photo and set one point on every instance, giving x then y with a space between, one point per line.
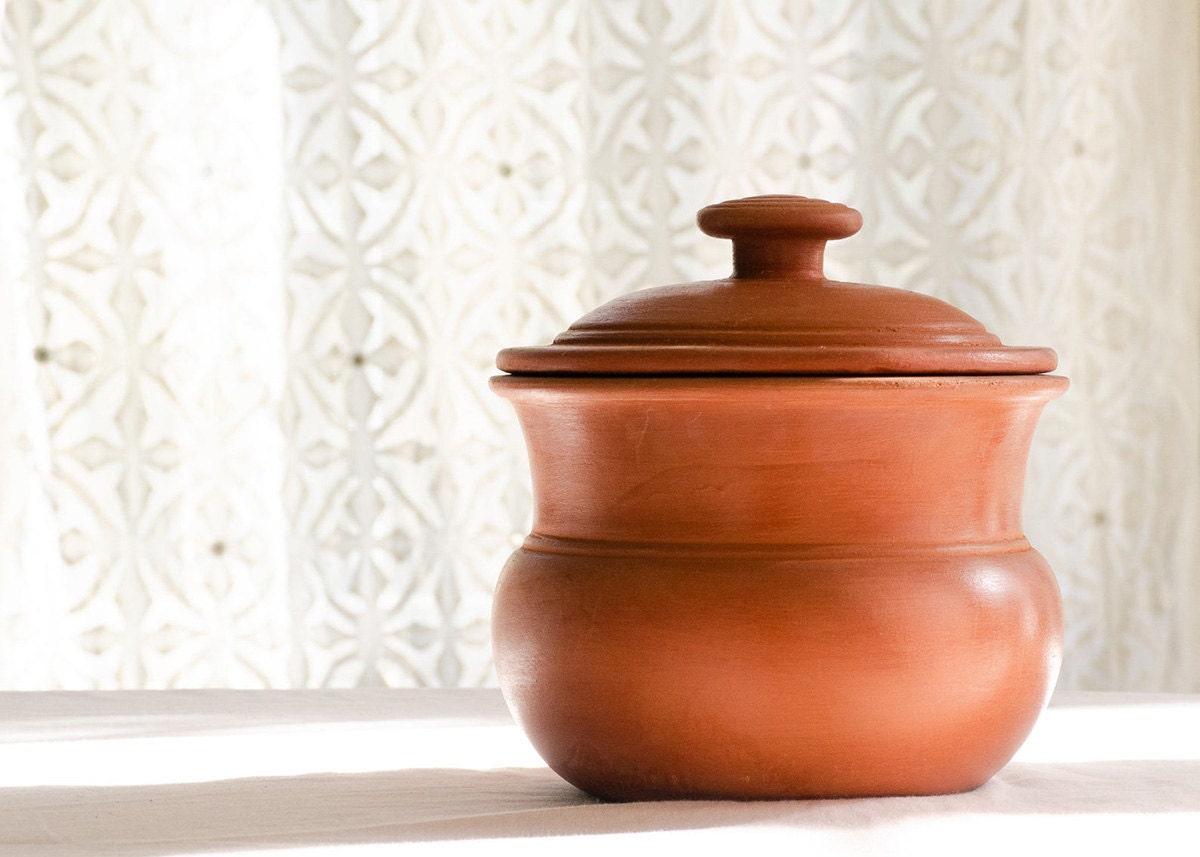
777 587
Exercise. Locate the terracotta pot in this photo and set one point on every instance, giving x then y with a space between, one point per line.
777 546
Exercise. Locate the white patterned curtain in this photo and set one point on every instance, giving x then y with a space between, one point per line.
256 258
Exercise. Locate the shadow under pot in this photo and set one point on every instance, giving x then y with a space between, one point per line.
777 547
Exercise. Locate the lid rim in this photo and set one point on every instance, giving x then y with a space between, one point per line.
775 360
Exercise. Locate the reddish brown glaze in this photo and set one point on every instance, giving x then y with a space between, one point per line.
769 586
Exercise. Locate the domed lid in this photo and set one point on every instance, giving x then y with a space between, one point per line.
776 315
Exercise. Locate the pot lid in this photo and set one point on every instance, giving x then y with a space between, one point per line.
776 314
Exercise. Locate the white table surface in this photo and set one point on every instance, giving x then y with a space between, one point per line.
435 771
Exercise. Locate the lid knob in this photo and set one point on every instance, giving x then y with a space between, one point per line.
779 236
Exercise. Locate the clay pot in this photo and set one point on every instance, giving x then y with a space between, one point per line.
777 547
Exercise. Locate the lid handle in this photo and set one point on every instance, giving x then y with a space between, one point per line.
776 236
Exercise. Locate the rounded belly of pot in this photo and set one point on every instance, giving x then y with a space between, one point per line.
643 677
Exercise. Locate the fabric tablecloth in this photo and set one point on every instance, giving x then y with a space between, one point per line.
436 771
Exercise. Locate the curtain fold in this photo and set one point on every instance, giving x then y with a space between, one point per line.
258 256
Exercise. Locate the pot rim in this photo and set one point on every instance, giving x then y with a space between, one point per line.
625 387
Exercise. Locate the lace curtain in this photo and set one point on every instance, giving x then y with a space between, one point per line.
256 259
